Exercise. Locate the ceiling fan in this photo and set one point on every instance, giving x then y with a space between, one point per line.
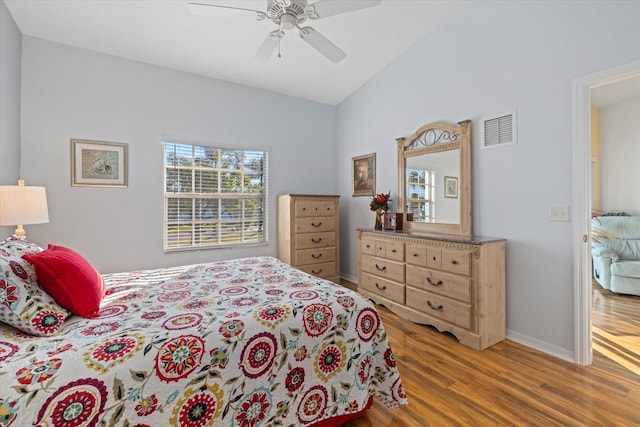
289 14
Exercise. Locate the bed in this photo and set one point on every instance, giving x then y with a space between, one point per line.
245 342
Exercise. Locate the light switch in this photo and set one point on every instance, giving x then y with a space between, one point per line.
559 213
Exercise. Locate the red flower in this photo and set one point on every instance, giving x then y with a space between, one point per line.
18 270
8 293
147 405
380 202
295 379
38 371
253 410
389 358
179 357
47 322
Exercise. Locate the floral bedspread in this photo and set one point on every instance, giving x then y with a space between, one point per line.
247 342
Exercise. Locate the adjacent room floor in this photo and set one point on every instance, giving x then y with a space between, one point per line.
615 321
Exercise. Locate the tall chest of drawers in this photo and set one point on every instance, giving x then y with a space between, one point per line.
308 234
454 284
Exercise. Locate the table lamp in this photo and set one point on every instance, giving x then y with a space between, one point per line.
20 205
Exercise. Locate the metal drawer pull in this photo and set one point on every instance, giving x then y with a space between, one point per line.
316 225
381 268
433 307
416 255
316 272
316 240
454 262
438 283
316 256
368 246
434 258
382 288
393 251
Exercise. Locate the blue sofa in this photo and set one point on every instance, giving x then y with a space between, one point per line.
615 249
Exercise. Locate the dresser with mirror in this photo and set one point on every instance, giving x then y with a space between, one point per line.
436 271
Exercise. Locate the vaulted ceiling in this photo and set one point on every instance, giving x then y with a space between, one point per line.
165 33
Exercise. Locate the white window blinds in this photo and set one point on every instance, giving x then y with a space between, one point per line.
214 196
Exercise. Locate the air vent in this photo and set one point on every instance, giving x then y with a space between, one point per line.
499 131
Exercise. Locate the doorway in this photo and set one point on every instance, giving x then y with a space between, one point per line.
582 190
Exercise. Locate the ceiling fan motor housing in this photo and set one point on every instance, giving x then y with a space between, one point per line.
277 8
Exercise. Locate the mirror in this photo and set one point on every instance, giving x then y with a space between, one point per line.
434 179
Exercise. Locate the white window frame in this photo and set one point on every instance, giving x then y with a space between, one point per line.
252 230
428 188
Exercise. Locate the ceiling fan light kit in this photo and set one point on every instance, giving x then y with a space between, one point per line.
289 14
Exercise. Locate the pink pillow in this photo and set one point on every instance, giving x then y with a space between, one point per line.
69 279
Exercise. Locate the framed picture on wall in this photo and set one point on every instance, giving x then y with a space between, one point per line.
363 174
451 187
98 164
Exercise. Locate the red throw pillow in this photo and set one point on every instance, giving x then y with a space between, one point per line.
69 279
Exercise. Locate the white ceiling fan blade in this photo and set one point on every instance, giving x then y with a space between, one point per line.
324 8
220 10
322 44
267 47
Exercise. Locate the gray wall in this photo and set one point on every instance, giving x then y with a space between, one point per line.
10 51
73 93
492 58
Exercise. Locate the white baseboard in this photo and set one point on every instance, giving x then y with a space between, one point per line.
542 346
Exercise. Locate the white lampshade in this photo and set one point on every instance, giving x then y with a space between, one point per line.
21 205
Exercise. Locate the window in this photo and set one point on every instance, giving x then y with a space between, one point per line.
421 194
213 196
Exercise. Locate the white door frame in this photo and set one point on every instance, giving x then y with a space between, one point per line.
582 202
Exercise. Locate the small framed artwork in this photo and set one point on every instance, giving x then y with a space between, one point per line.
98 164
451 187
363 173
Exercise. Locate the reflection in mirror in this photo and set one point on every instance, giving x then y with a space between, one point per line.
434 178
426 198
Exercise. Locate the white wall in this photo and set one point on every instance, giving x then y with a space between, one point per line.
620 154
73 93
492 58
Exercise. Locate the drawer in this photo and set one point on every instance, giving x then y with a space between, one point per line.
315 224
394 250
435 305
383 248
315 240
324 269
314 256
316 207
386 288
417 254
449 285
368 246
383 268
458 262
434 257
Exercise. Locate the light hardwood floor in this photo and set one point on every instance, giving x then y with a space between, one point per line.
508 384
616 333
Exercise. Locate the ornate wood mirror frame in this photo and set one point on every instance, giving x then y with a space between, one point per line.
430 139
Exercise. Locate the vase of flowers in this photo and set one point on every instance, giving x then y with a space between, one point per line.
380 204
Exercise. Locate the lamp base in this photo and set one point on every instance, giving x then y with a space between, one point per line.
20 233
